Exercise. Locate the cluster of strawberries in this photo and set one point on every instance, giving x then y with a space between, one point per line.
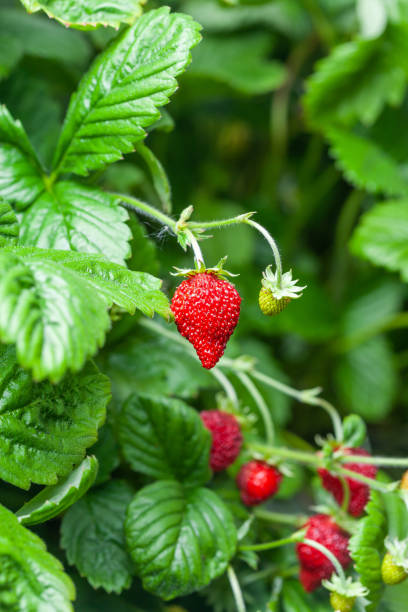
206 309
259 481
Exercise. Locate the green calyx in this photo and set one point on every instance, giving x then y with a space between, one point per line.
200 268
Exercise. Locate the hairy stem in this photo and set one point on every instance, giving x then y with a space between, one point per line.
140 207
226 385
261 404
305 397
279 517
297 536
236 589
272 244
327 553
285 453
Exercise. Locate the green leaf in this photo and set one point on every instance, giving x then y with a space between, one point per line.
88 13
354 429
244 65
54 305
123 90
11 52
294 599
366 379
365 164
381 236
178 540
150 363
20 172
286 16
45 429
9 228
165 438
358 79
106 451
78 218
159 176
43 38
54 499
31 580
93 536
366 548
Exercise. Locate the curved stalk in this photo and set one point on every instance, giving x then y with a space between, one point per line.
236 589
261 404
226 385
297 536
327 553
138 206
272 244
198 256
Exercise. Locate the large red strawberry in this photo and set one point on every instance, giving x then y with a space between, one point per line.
226 438
257 481
359 492
314 565
206 309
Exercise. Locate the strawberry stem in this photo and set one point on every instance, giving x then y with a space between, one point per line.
236 589
272 244
198 256
226 385
279 517
261 404
327 553
297 536
391 461
138 206
374 484
346 493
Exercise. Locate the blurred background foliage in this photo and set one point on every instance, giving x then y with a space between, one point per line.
296 109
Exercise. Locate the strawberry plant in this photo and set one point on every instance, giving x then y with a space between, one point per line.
177 435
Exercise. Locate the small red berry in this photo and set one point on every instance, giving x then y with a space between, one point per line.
257 480
359 492
206 310
315 566
226 438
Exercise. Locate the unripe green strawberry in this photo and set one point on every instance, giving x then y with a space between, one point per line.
277 291
269 304
391 572
341 603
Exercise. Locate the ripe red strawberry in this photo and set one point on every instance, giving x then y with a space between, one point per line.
359 492
206 309
257 480
314 565
226 438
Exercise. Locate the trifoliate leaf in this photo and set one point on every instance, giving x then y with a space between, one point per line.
45 429
249 72
54 499
164 521
366 548
31 580
20 172
365 164
381 236
165 438
92 534
78 218
123 90
9 228
54 305
88 14
358 79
